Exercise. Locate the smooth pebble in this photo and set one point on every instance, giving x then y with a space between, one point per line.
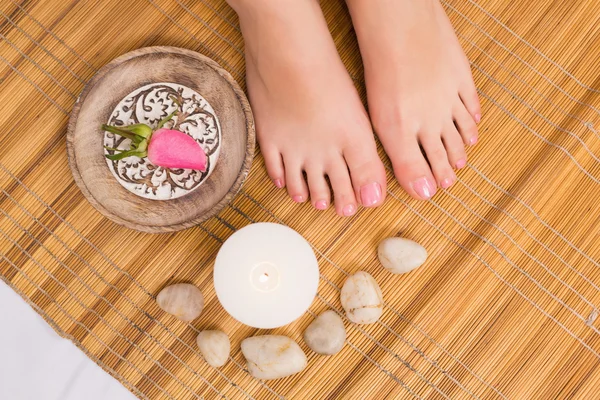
182 300
214 347
326 334
362 299
273 356
400 255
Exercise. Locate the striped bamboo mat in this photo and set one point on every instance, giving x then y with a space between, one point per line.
504 309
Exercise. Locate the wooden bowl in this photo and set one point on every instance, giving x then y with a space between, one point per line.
96 105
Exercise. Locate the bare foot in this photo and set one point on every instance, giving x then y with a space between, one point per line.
309 117
420 89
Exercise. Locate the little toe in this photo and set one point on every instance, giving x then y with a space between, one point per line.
367 173
411 169
466 125
470 99
438 160
295 182
318 187
343 193
274 165
455 147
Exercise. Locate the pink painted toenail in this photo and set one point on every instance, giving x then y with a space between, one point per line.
278 183
461 163
424 188
473 140
370 194
321 205
446 183
298 199
349 210
477 118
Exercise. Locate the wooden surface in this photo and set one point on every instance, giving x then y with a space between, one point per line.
117 80
504 308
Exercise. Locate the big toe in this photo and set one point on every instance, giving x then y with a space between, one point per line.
367 173
411 169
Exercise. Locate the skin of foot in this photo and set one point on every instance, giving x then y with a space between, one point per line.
422 100
311 125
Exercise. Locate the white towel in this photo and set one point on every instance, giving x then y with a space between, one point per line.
37 364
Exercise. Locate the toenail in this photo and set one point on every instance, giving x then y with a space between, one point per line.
278 183
370 194
477 118
473 140
349 210
424 188
298 199
446 183
461 163
321 205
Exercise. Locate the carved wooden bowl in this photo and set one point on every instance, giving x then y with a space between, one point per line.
140 87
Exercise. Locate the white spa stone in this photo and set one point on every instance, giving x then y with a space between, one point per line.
148 105
214 347
399 255
182 300
362 299
273 356
326 334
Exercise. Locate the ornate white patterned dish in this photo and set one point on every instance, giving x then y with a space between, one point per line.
148 105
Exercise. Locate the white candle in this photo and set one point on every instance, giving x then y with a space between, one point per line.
266 275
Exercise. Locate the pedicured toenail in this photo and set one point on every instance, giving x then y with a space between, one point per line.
278 183
298 199
461 163
446 183
321 205
473 140
477 118
424 188
370 194
349 210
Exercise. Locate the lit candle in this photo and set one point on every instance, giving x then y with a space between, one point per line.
266 275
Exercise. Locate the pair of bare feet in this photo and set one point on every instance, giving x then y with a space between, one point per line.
311 124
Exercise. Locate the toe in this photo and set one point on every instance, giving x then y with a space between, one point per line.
343 193
366 172
274 165
454 147
410 167
318 187
438 159
294 180
470 99
466 125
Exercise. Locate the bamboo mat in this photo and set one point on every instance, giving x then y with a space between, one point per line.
505 308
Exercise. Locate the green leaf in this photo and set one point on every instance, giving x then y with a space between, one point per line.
142 130
128 153
118 131
142 146
166 119
112 148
